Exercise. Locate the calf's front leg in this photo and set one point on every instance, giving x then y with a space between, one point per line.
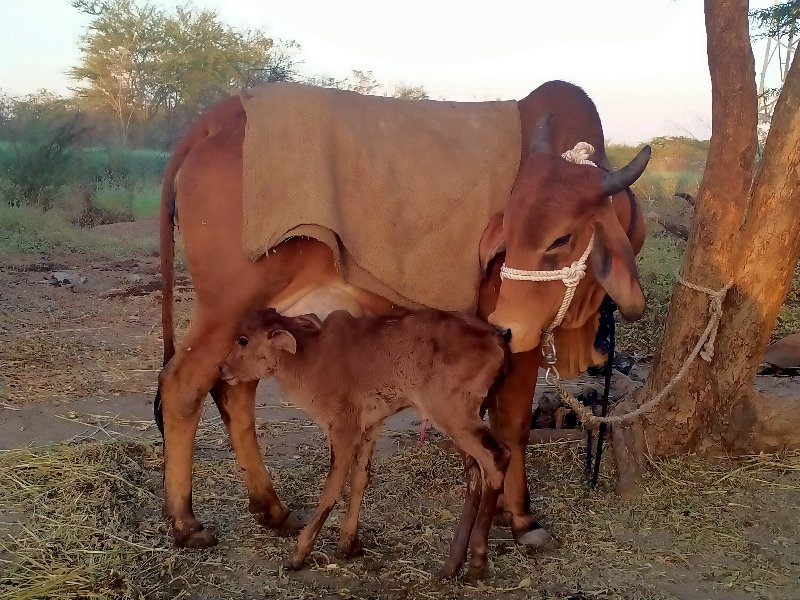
342 450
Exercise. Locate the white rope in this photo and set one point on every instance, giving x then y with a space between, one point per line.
580 154
571 276
705 345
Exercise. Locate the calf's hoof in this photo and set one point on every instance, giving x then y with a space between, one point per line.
476 572
449 570
348 547
198 538
294 562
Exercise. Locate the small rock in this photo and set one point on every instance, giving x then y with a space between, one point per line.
134 278
66 277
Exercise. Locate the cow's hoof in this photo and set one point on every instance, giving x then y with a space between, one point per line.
289 526
536 538
199 538
294 563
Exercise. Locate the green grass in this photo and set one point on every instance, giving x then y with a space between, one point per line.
658 263
144 200
27 230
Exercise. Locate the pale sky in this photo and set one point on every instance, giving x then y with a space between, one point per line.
643 62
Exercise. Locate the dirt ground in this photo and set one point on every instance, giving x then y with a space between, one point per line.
79 454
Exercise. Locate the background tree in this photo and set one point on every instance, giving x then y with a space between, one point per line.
138 61
412 92
363 82
44 131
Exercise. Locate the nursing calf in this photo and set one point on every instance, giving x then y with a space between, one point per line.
350 374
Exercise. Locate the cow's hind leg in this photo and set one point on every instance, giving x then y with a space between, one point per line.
359 480
183 385
342 451
236 404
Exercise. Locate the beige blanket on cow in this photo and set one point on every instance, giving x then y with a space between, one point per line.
401 190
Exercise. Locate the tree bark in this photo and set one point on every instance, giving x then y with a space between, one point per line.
767 255
716 407
682 422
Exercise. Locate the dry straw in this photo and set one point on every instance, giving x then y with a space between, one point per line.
83 521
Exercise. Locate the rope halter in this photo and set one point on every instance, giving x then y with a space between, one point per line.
571 275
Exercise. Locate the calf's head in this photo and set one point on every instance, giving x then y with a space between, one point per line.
261 338
559 211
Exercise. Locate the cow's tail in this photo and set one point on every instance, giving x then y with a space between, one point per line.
167 255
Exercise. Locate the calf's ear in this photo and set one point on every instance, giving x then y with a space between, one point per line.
309 321
282 340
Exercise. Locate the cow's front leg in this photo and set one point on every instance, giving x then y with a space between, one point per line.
236 404
511 420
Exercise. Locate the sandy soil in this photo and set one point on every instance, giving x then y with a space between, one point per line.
79 362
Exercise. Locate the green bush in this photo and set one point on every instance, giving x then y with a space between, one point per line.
38 166
27 229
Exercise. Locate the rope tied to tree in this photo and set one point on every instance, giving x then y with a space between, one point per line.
704 348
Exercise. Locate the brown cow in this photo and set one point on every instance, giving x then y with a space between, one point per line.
351 374
556 207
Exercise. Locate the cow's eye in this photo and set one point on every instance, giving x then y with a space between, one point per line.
562 241
242 341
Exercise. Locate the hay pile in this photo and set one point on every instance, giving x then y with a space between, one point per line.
83 521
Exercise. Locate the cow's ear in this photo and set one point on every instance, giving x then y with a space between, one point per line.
282 340
309 321
614 265
493 242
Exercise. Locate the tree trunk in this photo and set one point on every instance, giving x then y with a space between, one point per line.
715 406
682 421
767 255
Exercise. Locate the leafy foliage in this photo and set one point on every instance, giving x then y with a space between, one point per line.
45 151
412 92
777 20
139 60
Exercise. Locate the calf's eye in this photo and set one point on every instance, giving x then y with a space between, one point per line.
242 341
560 242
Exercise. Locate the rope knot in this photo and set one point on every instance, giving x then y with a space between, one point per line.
580 154
573 274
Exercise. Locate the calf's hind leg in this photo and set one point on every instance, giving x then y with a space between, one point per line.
473 438
236 404
479 540
458 547
359 480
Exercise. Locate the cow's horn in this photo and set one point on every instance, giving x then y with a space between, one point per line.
540 142
616 181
